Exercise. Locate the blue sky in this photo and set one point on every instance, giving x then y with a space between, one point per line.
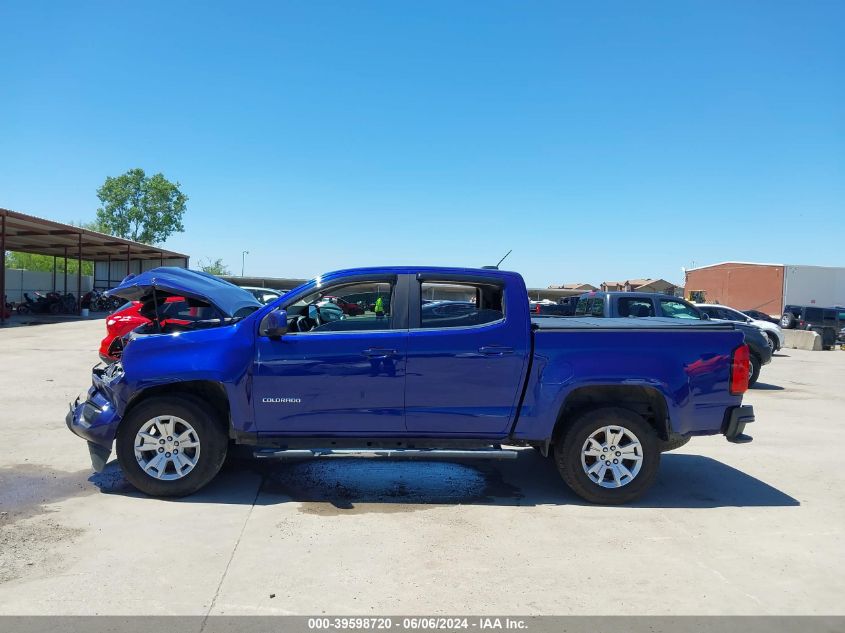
598 140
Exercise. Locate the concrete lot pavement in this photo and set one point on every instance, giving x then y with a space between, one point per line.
753 529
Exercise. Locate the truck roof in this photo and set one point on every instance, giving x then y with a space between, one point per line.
409 270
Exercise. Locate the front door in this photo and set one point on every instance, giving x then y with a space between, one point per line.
341 367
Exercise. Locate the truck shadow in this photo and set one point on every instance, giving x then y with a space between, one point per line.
764 386
354 486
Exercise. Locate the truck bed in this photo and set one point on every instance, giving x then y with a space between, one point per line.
627 323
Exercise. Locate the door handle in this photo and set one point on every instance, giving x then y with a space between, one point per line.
375 352
495 350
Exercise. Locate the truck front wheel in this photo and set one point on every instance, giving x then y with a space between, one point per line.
171 446
609 455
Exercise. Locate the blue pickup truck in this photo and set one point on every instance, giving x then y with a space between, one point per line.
404 377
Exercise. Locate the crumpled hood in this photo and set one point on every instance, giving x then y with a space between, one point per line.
168 281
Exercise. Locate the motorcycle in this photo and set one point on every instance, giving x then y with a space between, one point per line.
97 301
41 304
51 303
66 305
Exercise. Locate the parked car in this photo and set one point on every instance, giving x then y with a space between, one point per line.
348 307
772 330
656 305
539 308
761 316
280 380
264 295
173 311
826 321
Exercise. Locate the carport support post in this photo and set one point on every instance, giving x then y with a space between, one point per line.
79 277
128 261
3 267
54 273
108 281
64 288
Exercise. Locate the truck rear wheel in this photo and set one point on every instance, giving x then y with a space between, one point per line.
171 446
609 456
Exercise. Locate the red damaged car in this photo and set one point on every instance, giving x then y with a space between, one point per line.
174 310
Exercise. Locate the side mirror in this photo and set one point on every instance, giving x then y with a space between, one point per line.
705 316
275 324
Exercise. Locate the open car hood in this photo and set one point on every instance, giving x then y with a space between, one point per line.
167 281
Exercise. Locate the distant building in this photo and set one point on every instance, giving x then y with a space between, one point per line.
767 287
613 286
580 287
650 285
640 285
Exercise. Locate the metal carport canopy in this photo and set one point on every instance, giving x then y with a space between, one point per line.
29 234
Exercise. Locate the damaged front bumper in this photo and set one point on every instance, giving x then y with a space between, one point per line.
95 420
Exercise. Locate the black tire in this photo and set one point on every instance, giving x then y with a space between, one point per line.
568 455
22 309
787 321
754 369
773 342
209 430
671 445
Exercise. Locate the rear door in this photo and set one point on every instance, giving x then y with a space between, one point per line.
467 354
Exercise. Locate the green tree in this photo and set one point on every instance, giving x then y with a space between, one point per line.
140 208
216 267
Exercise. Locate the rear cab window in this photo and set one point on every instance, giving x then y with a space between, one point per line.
635 307
590 306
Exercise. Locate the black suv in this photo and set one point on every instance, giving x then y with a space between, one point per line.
826 321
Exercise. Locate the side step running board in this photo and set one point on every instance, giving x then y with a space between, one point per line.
396 453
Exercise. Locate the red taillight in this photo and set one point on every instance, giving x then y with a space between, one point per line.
740 370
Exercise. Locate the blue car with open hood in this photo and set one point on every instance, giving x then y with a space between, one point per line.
294 378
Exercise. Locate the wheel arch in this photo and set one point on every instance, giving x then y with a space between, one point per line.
643 400
210 392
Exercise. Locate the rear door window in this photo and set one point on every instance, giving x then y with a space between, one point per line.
450 305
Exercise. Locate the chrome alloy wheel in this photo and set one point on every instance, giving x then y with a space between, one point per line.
167 447
612 456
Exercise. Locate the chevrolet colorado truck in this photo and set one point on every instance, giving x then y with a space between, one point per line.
293 379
